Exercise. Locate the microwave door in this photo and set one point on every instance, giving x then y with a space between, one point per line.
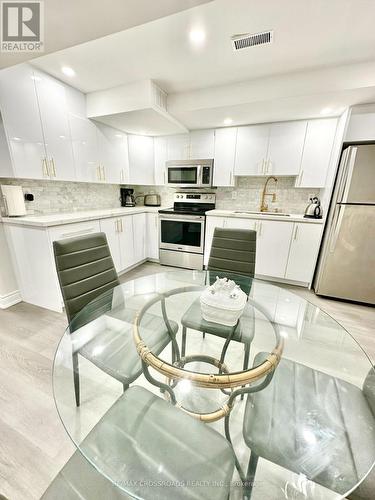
183 176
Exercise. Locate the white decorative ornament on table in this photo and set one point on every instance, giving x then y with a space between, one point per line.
223 302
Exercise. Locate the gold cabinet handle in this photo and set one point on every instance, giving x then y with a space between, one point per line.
296 232
98 173
53 169
103 175
116 226
45 167
122 230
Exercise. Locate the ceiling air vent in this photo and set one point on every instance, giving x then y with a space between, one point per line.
247 40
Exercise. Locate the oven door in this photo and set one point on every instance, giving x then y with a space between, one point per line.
184 176
184 233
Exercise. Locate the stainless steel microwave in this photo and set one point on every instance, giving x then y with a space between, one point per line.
190 173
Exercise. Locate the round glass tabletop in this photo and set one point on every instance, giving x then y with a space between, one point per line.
166 404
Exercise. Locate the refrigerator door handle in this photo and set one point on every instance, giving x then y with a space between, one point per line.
349 161
336 224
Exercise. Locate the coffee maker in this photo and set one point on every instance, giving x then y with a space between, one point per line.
127 197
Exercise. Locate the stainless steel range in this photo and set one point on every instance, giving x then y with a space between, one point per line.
182 230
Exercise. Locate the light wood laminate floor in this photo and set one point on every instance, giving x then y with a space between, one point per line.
33 444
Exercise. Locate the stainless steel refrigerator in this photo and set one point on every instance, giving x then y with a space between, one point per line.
346 266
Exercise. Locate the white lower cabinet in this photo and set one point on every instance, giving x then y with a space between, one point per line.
139 237
285 250
111 227
273 241
126 238
152 236
303 252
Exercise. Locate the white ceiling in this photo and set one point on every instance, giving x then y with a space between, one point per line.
71 22
309 35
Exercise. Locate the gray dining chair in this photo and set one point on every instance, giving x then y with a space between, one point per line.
233 251
155 448
86 273
313 424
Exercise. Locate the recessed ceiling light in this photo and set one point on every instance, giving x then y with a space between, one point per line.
119 136
326 111
68 71
228 121
197 36
16 138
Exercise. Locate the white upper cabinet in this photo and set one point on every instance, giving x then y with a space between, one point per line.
178 147
273 242
197 145
224 156
202 144
317 152
160 152
303 252
85 148
251 150
285 148
141 159
55 125
21 117
113 154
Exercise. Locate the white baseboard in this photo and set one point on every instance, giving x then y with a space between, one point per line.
10 299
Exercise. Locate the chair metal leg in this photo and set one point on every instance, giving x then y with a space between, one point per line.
204 334
125 387
250 476
183 345
246 361
76 378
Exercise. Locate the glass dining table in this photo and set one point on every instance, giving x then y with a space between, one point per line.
283 402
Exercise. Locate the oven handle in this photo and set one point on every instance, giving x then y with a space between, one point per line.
176 218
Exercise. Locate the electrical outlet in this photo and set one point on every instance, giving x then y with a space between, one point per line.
234 195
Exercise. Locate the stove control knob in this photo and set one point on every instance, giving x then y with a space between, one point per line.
205 197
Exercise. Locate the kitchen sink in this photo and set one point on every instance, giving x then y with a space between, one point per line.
260 213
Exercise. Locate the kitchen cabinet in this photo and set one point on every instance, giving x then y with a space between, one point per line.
285 250
6 169
303 253
197 145
160 152
273 240
113 155
202 144
85 148
178 147
251 150
224 156
141 159
126 238
152 236
139 237
285 148
111 227
317 150
55 125
23 127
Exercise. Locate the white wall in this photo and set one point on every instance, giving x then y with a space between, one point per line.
9 293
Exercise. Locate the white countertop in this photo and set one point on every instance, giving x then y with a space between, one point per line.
58 219
244 215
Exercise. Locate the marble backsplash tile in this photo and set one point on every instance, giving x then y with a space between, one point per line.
58 196
246 194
